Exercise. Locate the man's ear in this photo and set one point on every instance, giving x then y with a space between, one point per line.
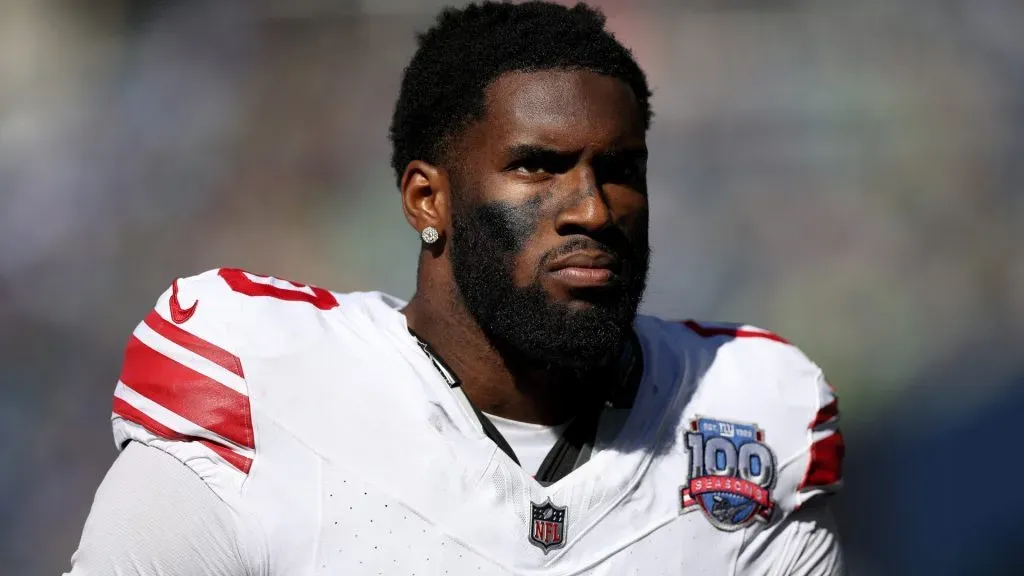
426 197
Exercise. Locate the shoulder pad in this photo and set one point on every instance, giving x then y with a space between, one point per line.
182 386
777 386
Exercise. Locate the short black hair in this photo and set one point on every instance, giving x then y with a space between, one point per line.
467 49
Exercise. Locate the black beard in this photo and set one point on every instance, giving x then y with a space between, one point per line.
523 324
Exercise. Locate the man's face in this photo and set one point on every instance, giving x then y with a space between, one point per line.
549 242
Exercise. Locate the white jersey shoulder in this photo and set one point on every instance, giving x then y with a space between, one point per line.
751 387
184 387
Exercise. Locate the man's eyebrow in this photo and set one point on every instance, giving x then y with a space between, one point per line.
631 152
529 150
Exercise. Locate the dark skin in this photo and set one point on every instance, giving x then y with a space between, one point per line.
562 154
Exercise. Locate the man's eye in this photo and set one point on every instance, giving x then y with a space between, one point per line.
530 168
620 171
542 164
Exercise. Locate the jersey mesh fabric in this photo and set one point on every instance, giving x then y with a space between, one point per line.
152 515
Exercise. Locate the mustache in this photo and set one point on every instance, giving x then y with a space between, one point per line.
612 243
579 245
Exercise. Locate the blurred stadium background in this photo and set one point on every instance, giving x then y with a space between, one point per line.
846 173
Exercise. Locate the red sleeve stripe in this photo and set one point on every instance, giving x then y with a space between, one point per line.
189 359
172 420
132 414
191 342
828 413
710 331
187 393
825 466
240 281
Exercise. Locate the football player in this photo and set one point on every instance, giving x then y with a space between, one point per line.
516 416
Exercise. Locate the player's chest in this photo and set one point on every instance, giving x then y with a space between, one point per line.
504 524
408 485
366 531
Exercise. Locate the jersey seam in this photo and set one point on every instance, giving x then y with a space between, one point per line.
739 551
263 551
818 376
808 432
251 431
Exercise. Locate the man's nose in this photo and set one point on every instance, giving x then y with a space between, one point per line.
586 210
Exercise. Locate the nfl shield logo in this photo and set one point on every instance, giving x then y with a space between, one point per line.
547 531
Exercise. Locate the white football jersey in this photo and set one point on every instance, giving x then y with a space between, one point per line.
321 422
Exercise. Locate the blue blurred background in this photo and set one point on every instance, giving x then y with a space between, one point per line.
849 174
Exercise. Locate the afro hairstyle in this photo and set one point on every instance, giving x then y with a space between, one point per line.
443 87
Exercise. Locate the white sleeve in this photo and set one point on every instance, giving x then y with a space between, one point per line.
153 516
804 544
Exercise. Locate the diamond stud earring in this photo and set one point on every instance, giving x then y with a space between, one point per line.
429 235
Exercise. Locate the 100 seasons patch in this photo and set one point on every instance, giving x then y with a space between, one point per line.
731 473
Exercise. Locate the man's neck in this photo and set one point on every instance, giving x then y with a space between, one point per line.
518 392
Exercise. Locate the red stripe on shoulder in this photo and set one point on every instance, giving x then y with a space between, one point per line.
825 466
243 463
132 414
191 342
238 281
710 331
189 394
828 412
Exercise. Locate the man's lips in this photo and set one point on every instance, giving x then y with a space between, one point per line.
577 277
584 269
